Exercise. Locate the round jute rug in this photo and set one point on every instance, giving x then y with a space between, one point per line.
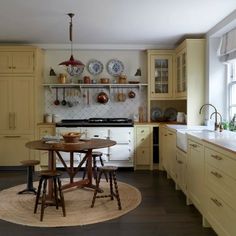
19 209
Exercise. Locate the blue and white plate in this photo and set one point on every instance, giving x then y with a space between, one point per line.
95 67
73 70
156 114
115 67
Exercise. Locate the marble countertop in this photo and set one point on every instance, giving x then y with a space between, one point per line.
225 139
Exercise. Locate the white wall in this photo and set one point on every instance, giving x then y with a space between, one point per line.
132 59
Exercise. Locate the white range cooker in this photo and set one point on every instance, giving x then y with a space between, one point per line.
117 129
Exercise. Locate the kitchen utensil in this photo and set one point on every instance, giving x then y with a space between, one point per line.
56 102
102 97
131 94
63 102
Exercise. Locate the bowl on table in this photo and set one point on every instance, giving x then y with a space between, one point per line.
72 137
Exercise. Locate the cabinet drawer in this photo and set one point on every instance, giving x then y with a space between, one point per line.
45 131
220 215
143 156
143 136
223 185
221 162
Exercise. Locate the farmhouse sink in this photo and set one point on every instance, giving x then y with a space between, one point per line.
181 135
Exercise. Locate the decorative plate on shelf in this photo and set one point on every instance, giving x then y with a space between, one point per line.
115 67
156 114
170 114
72 70
95 67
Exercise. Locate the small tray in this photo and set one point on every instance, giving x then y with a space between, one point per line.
133 82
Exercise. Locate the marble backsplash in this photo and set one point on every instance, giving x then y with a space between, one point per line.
82 109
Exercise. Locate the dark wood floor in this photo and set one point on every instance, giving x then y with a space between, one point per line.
162 212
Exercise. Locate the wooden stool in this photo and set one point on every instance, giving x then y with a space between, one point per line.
30 169
95 155
111 170
59 200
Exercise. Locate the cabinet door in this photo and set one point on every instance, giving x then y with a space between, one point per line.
181 70
181 170
16 62
195 163
13 150
171 153
22 62
6 118
143 156
5 62
161 76
22 94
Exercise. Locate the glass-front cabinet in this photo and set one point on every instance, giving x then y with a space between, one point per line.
181 75
160 75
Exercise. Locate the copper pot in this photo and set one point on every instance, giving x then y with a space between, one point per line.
102 97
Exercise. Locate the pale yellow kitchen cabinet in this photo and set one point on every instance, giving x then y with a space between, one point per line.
220 174
160 74
189 82
143 147
195 173
181 170
16 62
21 100
13 150
45 130
170 153
17 105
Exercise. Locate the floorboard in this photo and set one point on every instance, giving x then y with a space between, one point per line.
163 211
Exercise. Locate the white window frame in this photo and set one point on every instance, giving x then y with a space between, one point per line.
231 74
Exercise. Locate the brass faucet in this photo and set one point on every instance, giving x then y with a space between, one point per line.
220 123
208 104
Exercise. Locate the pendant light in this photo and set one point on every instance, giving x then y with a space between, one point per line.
73 65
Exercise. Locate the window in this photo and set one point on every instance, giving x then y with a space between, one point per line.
231 95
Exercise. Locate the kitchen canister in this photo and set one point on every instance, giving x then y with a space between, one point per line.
56 118
180 117
48 118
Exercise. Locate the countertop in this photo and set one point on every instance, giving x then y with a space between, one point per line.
225 139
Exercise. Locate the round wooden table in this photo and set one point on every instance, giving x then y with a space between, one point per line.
81 146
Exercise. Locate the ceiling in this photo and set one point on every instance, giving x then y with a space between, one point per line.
108 22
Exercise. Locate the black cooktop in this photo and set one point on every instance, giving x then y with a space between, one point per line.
95 122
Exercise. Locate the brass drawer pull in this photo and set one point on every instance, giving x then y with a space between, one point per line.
219 204
216 174
170 133
216 157
12 136
180 162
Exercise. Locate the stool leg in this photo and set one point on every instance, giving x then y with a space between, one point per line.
38 195
43 199
95 169
30 188
102 164
111 186
117 192
61 197
55 191
96 189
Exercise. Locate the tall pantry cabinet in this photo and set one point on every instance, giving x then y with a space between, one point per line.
21 101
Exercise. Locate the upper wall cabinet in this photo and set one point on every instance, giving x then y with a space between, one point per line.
160 73
181 77
190 77
16 62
